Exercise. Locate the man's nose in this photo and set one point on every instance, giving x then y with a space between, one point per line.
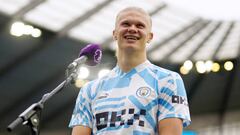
132 29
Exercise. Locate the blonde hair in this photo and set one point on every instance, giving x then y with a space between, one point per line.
133 9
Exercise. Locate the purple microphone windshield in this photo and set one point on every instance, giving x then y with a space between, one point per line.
93 53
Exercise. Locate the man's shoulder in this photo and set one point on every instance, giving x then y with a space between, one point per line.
161 72
96 81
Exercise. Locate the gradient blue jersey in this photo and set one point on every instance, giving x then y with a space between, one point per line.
131 103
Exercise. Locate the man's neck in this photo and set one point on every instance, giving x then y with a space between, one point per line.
129 61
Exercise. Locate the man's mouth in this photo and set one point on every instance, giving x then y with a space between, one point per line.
131 37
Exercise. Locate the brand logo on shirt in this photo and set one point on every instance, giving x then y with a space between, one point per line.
143 92
103 95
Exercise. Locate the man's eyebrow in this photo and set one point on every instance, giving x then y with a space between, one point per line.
124 21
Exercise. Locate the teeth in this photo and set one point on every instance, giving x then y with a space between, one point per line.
131 37
128 37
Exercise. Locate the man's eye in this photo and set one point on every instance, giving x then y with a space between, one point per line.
140 26
125 24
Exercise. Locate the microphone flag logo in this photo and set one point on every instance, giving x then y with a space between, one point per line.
97 56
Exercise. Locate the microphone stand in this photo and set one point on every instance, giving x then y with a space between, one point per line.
31 116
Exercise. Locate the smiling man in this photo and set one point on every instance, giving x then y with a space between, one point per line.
136 97
132 32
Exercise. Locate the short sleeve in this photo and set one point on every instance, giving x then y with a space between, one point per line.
82 112
172 99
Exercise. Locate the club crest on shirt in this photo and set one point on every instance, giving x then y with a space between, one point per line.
143 92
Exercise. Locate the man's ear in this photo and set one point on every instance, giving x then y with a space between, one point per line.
150 37
114 35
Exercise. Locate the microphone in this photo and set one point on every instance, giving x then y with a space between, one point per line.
90 55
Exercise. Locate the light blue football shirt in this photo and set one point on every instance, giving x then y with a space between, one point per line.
131 103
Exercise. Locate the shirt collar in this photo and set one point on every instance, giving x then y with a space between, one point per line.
136 69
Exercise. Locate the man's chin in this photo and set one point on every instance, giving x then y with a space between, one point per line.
130 47
131 43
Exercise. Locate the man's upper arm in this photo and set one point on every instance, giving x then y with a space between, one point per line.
82 115
170 126
173 100
81 130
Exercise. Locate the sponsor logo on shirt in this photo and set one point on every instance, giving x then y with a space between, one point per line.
179 100
116 118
